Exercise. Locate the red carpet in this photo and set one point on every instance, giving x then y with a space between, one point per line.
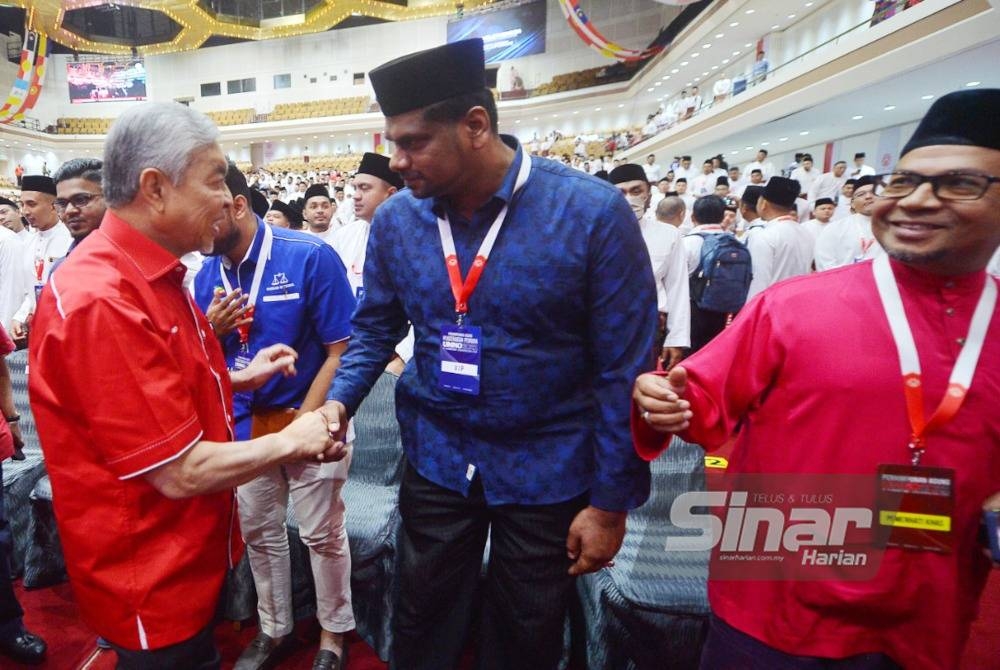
52 614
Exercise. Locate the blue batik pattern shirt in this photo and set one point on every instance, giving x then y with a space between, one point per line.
567 308
305 301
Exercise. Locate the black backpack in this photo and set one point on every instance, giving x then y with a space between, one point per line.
722 280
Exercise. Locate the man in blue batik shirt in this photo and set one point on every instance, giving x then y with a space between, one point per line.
514 410
299 294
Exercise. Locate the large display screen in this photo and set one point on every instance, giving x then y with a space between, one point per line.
109 80
507 33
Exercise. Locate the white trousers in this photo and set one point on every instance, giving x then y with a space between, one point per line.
314 489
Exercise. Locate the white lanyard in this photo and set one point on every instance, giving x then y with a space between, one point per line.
462 293
909 362
258 273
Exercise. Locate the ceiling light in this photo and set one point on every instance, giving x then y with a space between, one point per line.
926 97
719 36
748 45
764 144
775 26
518 121
889 108
734 152
857 117
666 76
621 105
804 132
706 46
725 60
791 16
750 11
597 109
650 89
736 53
715 67
748 148
734 24
659 83
782 139
683 63
576 111
674 71
536 118
973 83
809 4
694 55
556 115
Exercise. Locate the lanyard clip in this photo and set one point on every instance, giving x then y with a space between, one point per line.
916 447
460 318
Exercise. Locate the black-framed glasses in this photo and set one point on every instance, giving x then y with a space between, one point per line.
948 186
78 200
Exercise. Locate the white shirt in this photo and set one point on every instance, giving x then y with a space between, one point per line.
351 244
686 173
652 171
855 172
826 186
814 227
693 243
666 253
47 246
702 185
766 168
806 178
12 285
722 87
846 241
326 235
344 214
782 249
843 208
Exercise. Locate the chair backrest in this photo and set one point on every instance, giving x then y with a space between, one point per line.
378 450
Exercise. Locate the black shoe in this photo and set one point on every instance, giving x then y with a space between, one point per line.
263 653
25 648
328 660
18 454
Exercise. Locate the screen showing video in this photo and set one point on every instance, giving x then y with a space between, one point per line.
106 81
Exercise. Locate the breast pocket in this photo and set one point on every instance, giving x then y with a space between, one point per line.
538 294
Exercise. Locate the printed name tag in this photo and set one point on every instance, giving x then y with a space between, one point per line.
38 291
461 352
915 506
280 297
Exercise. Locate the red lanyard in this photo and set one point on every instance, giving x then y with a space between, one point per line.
909 362
462 290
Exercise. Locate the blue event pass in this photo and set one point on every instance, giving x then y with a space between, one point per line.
461 355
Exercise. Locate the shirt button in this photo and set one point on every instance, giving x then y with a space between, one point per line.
950 311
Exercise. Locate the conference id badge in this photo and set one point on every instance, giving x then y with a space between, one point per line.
38 291
461 355
916 506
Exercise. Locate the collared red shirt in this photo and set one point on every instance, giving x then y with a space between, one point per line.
823 393
567 308
305 302
126 376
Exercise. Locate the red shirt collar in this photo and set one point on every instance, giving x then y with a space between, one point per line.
909 275
152 260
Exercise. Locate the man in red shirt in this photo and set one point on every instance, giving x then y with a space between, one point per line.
134 404
15 641
833 387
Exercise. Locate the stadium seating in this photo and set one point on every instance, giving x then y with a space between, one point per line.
232 117
327 162
320 108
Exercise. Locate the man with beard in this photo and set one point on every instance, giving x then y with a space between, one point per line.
79 199
317 212
511 411
913 409
851 239
666 253
49 243
298 294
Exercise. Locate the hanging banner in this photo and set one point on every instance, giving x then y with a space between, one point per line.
587 32
27 85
